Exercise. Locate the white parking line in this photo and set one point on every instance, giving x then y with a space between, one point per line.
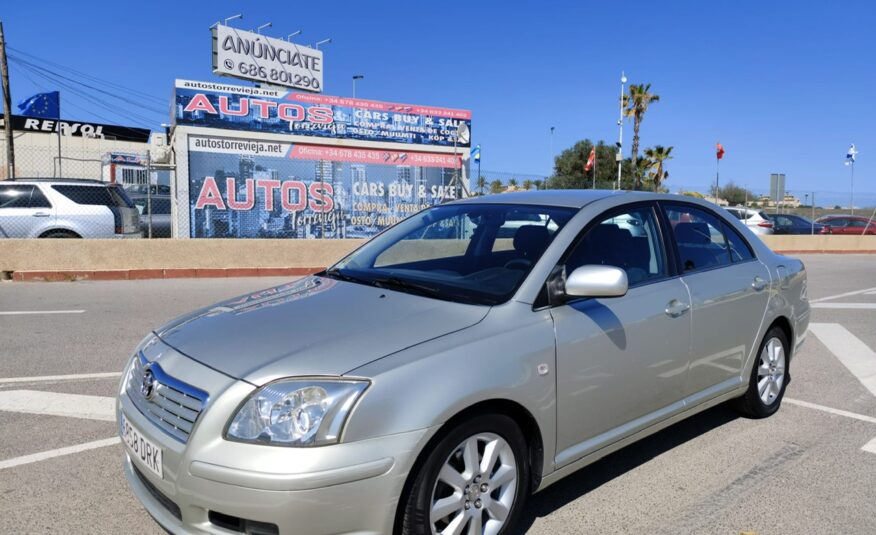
42 456
41 378
30 312
859 306
847 294
831 410
850 350
55 404
870 446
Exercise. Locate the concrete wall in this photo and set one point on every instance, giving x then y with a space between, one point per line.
97 255
91 255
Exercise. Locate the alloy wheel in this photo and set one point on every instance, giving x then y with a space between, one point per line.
771 371
475 488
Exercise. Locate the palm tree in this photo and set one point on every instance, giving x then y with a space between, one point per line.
537 183
527 184
659 154
482 184
496 186
636 104
512 183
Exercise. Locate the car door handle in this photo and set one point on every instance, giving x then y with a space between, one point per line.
41 214
758 284
676 308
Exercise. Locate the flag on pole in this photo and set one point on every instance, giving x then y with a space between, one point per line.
590 160
45 105
719 150
475 154
850 155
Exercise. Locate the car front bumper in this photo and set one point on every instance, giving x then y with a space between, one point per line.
208 481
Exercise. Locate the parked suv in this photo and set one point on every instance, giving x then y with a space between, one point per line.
757 220
66 208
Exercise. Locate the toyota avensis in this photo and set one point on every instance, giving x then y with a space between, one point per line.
470 355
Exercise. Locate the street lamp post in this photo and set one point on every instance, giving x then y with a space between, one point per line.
552 149
323 42
620 124
356 77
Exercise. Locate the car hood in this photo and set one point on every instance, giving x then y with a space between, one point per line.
313 326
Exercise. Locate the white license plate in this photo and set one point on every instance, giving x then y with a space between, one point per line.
146 452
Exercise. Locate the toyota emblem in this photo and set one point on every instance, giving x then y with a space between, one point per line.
147 386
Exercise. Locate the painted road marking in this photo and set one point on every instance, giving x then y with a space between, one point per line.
870 446
850 350
871 306
831 410
42 456
41 378
31 312
55 404
847 294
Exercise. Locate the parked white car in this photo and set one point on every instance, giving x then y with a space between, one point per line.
66 208
757 220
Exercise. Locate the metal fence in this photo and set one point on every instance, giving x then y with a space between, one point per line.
38 204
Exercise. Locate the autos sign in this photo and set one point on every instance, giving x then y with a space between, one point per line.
253 56
283 112
247 188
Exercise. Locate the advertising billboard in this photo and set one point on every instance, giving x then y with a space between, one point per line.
253 109
253 188
253 56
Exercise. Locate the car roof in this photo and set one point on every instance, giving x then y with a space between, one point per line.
79 181
570 198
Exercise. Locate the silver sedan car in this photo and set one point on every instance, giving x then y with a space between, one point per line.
434 378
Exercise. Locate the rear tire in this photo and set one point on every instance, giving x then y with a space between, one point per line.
769 377
60 234
458 486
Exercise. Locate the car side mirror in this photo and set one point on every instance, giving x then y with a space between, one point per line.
597 281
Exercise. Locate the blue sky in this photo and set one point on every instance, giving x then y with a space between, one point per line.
784 86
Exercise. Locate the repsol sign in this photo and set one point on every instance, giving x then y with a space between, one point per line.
80 129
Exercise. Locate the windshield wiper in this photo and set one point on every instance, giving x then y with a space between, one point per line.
336 273
424 289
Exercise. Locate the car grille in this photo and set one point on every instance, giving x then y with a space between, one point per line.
172 405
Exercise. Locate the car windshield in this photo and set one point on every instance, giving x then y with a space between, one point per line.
469 253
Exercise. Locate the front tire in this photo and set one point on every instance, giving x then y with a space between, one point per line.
769 377
475 480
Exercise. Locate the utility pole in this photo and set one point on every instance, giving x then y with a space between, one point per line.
7 108
620 137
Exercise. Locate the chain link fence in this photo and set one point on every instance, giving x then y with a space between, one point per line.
117 194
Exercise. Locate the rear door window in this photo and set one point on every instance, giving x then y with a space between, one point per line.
38 199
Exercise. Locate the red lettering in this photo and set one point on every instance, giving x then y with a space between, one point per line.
269 186
320 115
321 200
288 204
263 106
290 112
231 193
209 195
241 111
200 103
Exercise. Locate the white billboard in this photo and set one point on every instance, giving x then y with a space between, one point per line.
253 56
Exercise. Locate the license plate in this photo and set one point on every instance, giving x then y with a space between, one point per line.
146 452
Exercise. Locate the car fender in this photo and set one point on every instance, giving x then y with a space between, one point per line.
509 356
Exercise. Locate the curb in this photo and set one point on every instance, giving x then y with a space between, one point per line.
157 273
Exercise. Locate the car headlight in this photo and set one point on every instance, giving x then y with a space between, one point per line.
296 412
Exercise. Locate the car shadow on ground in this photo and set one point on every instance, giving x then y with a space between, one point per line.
620 462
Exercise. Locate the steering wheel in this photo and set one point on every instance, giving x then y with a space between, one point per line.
518 263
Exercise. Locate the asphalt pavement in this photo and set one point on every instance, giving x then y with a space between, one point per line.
808 469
